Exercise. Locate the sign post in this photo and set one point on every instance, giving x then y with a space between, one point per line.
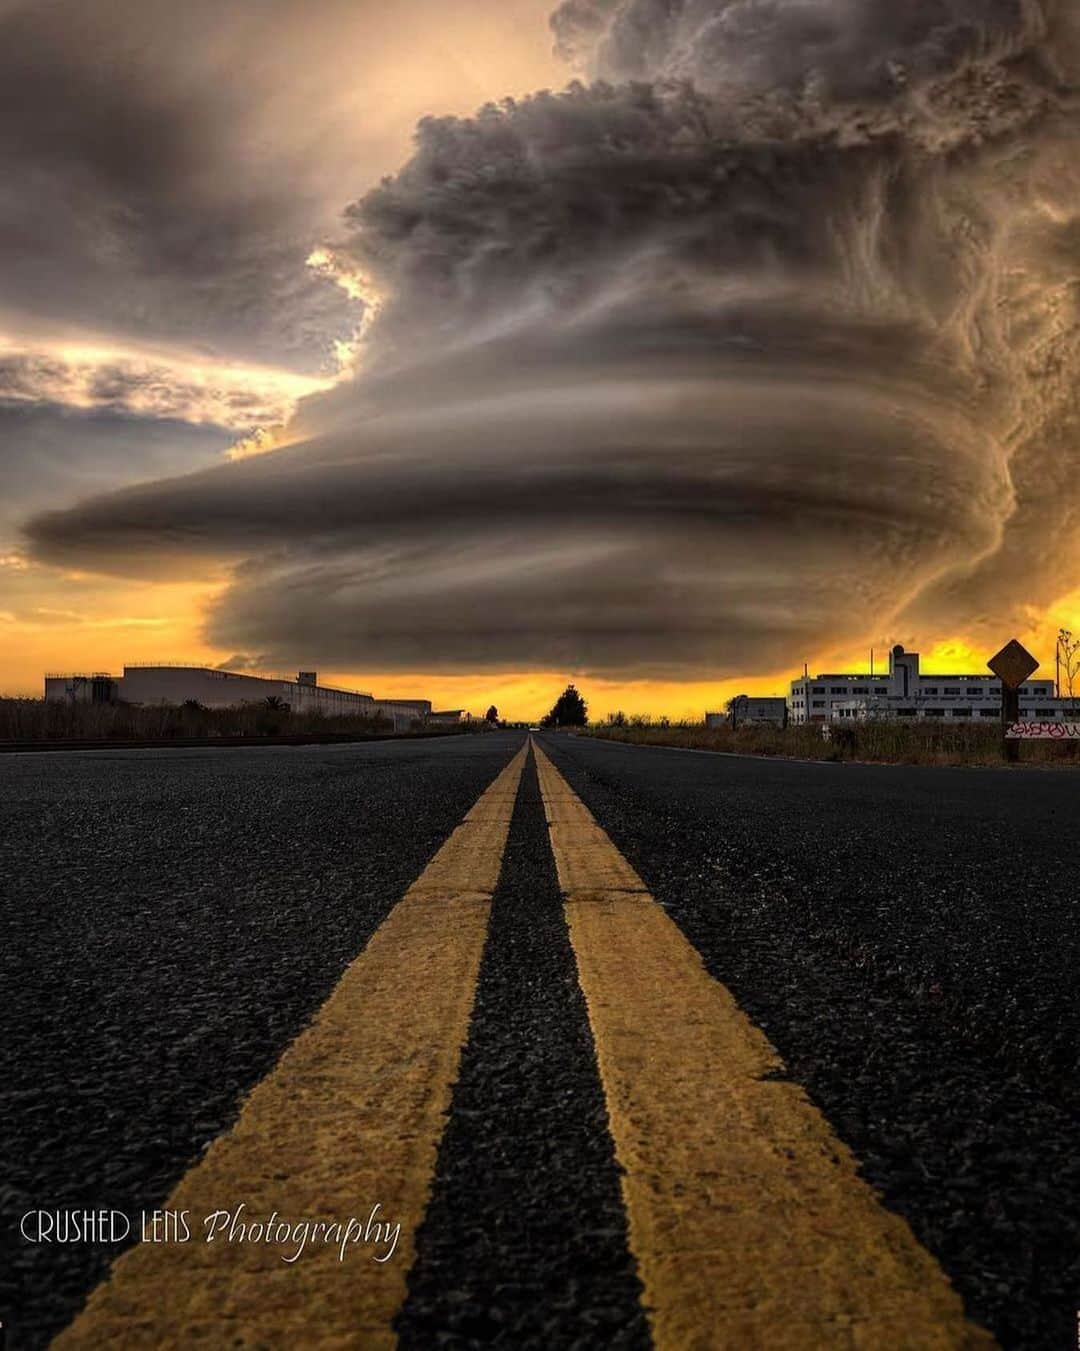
1012 666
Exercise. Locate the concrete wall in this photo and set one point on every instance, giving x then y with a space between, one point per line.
1033 708
749 708
413 708
212 689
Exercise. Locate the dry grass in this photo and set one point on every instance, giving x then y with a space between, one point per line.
883 742
36 720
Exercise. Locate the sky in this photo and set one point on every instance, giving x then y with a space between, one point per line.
458 349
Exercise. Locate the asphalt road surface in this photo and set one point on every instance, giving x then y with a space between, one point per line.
461 980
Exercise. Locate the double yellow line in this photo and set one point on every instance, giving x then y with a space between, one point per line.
350 1117
749 1223
747 1218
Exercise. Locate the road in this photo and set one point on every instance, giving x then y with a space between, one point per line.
624 1047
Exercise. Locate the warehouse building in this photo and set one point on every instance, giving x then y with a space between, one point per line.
226 689
905 692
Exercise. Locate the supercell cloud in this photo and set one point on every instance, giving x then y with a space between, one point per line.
760 338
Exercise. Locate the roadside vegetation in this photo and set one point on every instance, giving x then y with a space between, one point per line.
37 720
920 743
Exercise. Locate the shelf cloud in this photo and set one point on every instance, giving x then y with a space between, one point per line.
760 337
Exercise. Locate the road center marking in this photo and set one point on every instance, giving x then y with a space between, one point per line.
350 1117
749 1222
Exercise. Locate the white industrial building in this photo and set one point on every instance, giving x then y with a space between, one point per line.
905 692
228 689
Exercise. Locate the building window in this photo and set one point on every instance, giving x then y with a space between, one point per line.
837 689
935 712
989 712
1044 712
860 689
953 689
930 689
905 712
819 703
881 689
961 712
819 689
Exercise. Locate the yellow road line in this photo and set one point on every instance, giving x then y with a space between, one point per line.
350 1117
750 1225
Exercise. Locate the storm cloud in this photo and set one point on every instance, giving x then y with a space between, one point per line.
761 340
144 188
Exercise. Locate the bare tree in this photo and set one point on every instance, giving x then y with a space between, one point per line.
1068 663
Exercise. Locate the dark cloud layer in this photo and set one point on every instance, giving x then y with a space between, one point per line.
765 341
51 452
134 196
825 51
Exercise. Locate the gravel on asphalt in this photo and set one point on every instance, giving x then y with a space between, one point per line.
908 938
170 921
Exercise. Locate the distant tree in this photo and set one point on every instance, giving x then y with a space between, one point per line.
617 719
192 705
276 704
492 715
569 710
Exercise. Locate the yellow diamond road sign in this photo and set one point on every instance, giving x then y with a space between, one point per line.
1013 664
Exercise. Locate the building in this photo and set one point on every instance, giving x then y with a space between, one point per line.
905 692
228 689
99 688
751 708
